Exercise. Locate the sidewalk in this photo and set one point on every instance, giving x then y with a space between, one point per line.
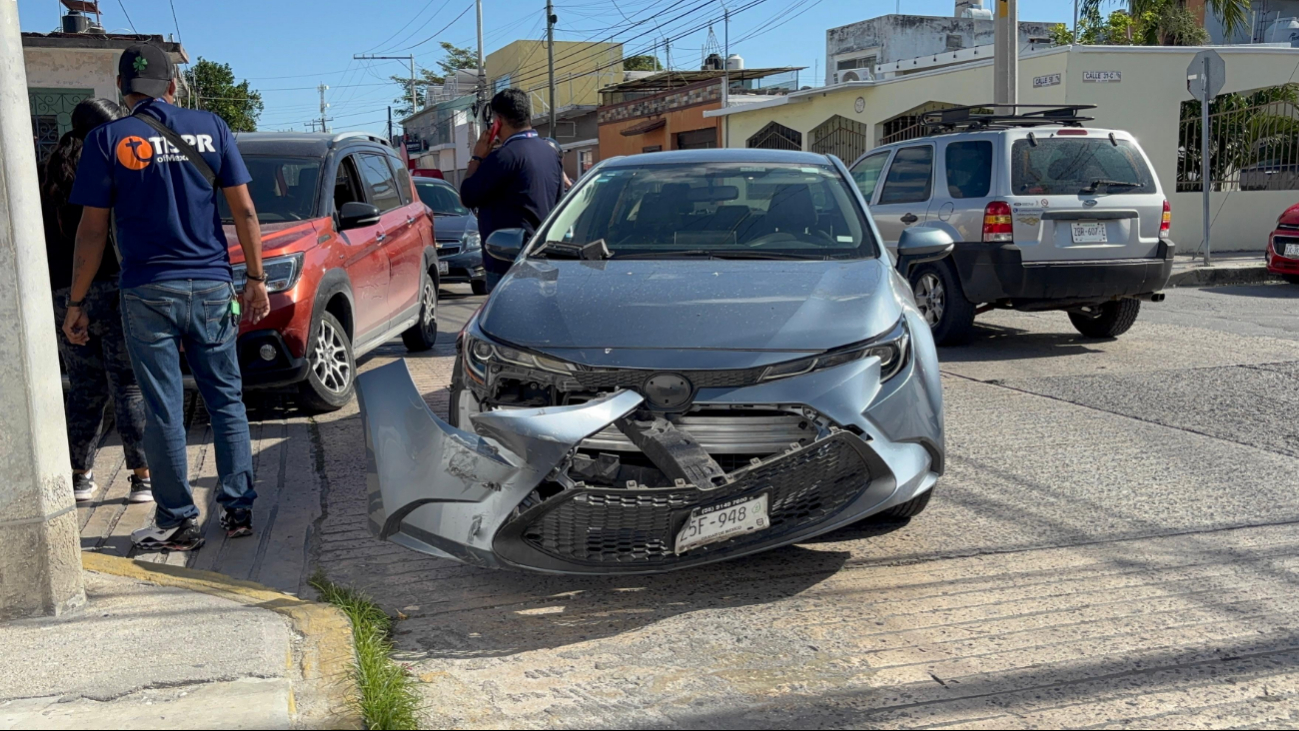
1228 268
159 647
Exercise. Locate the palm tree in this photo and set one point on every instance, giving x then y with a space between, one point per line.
1234 14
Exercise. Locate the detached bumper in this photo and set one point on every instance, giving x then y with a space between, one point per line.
997 272
475 498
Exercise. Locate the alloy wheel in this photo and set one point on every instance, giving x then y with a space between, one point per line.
329 359
931 297
429 308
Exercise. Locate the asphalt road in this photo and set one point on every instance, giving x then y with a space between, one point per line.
1114 544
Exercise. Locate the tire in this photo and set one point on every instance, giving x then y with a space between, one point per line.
943 304
1115 318
331 375
911 508
1291 278
479 286
457 388
423 334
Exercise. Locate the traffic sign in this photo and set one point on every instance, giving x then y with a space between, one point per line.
1202 85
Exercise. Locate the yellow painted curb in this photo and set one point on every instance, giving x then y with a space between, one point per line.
325 656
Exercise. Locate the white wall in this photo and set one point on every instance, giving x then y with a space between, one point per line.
68 68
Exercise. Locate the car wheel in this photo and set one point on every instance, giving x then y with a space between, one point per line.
943 304
1110 320
1291 278
331 375
424 333
479 286
911 508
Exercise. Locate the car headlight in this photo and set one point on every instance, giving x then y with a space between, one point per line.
892 348
479 354
471 241
281 272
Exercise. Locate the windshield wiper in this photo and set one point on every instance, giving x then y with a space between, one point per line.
594 251
717 254
1108 184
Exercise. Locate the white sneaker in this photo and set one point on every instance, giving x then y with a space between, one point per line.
83 487
141 490
184 537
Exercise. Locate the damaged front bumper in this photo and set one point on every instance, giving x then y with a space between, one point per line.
506 496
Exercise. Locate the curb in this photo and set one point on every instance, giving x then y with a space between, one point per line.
1222 276
324 656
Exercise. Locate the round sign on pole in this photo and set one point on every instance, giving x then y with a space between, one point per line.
1195 75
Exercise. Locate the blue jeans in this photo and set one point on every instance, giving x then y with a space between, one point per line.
492 279
158 320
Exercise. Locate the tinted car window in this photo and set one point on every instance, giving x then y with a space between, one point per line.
969 169
380 182
910 178
283 188
403 179
1058 166
760 208
867 173
443 199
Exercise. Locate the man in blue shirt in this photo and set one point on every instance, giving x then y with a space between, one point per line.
176 284
518 184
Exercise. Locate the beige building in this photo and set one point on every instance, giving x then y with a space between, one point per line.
1136 88
65 68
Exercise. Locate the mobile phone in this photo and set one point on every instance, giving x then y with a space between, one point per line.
495 131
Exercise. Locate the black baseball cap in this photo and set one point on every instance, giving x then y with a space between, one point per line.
145 69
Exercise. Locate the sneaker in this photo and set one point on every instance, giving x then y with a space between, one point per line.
184 537
238 523
141 490
83 487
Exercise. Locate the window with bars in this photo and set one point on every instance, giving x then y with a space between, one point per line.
776 136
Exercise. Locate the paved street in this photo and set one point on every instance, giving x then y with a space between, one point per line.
1114 544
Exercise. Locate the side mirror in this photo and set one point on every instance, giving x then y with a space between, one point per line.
355 215
505 244
920 245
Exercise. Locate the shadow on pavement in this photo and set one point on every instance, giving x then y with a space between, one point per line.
1000 343
1261 291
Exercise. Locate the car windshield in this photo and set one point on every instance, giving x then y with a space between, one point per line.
759 210
283 188
1069 166
443 199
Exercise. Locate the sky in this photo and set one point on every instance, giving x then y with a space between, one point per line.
286 49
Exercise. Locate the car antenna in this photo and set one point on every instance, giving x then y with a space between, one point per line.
1032 139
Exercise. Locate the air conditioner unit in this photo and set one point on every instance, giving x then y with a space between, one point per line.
850 76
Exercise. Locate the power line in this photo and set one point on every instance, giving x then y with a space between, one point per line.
415 32
175 22
442 29
128 17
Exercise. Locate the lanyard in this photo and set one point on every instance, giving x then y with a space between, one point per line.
519 135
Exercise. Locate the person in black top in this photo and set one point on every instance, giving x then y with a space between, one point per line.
517 184
102 368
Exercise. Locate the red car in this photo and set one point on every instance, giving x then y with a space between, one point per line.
1283 246
350 261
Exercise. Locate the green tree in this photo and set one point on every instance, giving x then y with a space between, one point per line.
454 59
1168 22
212 86
644 62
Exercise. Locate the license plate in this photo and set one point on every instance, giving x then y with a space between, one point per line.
722 521
443 268
1089 233
1291 251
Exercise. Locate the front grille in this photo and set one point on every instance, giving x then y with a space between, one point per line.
1279 243
449 248
638 527
634 379
724 433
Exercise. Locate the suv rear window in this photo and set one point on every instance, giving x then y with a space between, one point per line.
1058 166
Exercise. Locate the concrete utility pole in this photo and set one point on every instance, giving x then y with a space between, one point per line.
482 71
1005 63
40 542
323 106
550 62
726 74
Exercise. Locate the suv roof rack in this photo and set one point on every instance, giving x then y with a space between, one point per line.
339 137
985 116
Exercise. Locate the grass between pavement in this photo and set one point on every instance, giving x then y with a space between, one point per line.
388 696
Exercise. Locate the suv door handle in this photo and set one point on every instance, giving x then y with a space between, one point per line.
910 218
410 220
379 237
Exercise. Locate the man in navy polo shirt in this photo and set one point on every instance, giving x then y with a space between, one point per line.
176 284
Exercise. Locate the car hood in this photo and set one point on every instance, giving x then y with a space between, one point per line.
447 228
585 311
276 236
1291 215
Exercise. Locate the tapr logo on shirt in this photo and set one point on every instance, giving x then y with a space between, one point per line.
135 153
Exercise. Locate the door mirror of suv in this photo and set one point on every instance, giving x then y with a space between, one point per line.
505 244
355 215
920 245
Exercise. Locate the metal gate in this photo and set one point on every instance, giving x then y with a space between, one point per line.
842 137
51 111
776 136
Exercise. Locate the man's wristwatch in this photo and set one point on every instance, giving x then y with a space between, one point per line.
261 279
79 304
476 158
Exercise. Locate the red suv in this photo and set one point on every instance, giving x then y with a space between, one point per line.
350 261
1283 246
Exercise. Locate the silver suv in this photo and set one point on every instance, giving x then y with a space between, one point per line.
1047 214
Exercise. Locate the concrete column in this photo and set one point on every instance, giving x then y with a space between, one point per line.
1005 63
40 544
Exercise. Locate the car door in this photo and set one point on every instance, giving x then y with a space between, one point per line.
364 259
903 199
401 240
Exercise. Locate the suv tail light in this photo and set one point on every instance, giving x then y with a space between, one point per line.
1166 222
997 222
